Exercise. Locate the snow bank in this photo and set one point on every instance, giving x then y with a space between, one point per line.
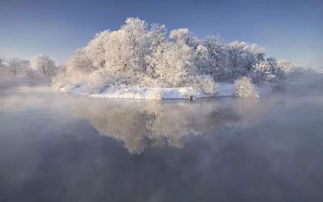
146 93
156 93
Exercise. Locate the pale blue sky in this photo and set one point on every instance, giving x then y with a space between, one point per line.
286 29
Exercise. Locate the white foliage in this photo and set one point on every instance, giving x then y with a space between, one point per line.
245 88
183 36
285 66
17 66
271 70
207 84
80 62
263 71
39 70
95 82
44 65
172 64
240 57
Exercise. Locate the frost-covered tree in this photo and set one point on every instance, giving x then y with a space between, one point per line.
120 51
80 62
184 36
285 66
172 62
245 88
206 83
211 58
264 71
76 70
241 58
155 36
14 67
44 65
17 66
271 70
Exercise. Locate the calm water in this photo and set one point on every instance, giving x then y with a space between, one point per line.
56 147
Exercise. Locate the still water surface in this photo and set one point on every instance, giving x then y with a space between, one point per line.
56 147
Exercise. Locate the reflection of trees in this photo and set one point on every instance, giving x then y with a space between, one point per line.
140 124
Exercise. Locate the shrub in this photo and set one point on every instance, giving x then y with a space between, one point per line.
245 88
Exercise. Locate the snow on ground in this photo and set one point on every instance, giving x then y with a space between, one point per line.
156 93
146 93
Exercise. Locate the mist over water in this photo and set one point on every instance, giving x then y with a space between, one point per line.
59 147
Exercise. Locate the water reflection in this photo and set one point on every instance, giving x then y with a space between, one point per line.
139 124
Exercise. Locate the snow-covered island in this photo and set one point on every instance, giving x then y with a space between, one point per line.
144 61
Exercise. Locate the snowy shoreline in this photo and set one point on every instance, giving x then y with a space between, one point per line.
156 93
150 93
